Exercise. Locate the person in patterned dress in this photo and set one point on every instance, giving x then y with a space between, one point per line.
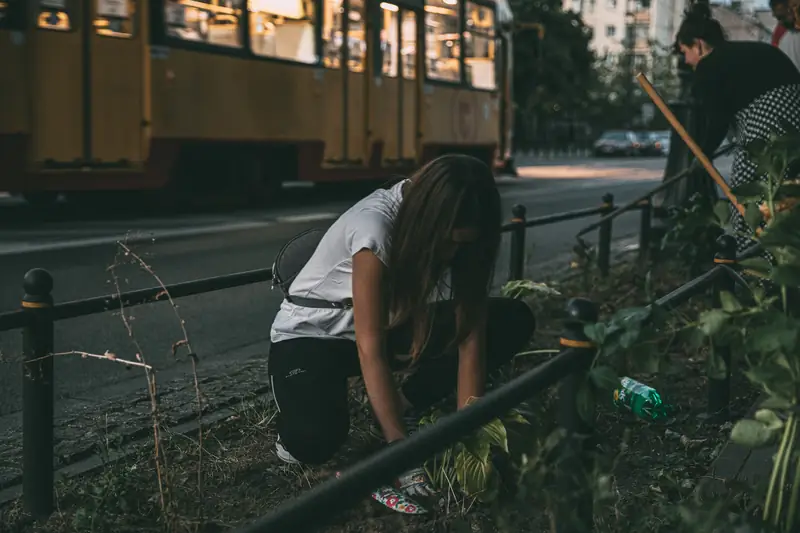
750 86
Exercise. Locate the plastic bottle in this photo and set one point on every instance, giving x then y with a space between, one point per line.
643 401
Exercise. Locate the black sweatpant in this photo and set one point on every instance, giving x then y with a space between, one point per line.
309 375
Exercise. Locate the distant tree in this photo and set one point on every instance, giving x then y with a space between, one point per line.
553 78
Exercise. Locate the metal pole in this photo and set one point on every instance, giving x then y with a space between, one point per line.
604 238
37 395
719 388
575 463
516 259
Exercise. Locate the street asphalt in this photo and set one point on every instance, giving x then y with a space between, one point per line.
228 326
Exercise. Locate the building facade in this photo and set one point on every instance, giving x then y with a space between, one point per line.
652 26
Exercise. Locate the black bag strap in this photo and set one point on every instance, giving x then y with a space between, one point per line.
291 259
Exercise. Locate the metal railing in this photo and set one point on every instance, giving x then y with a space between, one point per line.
39 312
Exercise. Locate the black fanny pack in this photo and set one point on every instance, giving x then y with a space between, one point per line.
290 261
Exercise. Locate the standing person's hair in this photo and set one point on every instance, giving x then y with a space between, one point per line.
699 24
452 192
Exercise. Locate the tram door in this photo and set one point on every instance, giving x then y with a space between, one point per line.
87 75
397 107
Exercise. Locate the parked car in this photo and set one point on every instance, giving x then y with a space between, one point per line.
656 143
618 142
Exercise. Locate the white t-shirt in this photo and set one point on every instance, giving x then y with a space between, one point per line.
328 275
790 45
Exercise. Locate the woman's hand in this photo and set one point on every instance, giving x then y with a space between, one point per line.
415 483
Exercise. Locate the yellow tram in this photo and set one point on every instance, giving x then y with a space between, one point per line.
111 95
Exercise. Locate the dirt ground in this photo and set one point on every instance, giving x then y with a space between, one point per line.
648 468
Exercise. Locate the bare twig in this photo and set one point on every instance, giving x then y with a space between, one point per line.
192 356
108 356
160 463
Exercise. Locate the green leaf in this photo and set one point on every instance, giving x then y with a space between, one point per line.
729 302
595 332
756 148
752 215
769 419
788 275
776 335
757 264
712 321
722 210
495 434
776 403
788 190
604 378
472 473
752 434
754 190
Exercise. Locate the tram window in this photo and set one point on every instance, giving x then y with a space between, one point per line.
389 39
443 40
12 14
479 47
53 15
408 48
217 23
332 13
115 18
357 36
283 29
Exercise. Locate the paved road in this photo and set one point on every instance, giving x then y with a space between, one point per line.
228 326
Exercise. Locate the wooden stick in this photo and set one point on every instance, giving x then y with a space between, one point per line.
698 153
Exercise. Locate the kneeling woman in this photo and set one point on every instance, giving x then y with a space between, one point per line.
417 260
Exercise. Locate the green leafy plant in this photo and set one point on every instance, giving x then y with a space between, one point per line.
761 328
468 466
694 228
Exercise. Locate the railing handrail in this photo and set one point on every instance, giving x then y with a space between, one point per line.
110 302
336 495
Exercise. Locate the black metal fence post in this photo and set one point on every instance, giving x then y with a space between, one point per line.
645 223
575 463
604 238
516 260
37 395
719 389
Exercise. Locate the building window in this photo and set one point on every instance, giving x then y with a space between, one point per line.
201 21
479 43
591 6
283 29
408 48
443 40
642 33
576 5
611 31
612 4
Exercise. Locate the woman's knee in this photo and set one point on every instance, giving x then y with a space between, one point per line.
511 322
313 441
514 315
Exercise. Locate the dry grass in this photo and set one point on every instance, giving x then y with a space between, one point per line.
228 474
